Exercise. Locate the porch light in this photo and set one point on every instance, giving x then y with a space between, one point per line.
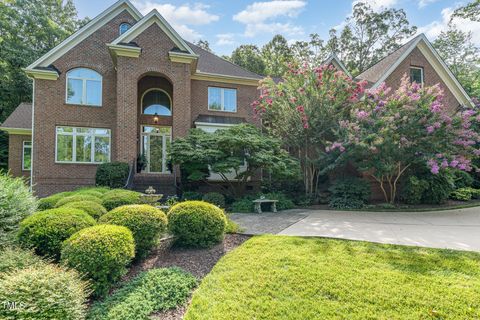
155 119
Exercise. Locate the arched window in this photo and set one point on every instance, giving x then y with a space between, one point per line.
123 28
84 86
156 102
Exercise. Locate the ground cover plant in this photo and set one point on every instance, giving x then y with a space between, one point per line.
276 277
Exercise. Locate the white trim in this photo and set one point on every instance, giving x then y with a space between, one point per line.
421 73
84 88
23 155
95 24
156 89
74 134
334 58
215 77
164 136
213 124
18 131
222 99
154 17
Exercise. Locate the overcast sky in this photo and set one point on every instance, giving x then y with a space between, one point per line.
229 23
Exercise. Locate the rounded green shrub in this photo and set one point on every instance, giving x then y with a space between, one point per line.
244 205
12 258
101 253
51 201
94 209
120 197
76 198
349 193
147 224
44 292
197 223
87 192
16 203
191 195
462 194
45 231
112 174
215 198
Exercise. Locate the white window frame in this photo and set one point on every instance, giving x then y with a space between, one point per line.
156 89
74 135
421 72
24 146
222 99
120 27
164 146
84 88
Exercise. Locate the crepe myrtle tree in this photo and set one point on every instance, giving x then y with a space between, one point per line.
236 154
304 110
389 132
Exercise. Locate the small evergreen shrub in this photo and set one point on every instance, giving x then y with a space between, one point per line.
197 223
151 291
98 190
87 192
51 201
112 174
45 231
475 193
413 190
101 253
284 202
440 186
93 209
16 258
462 179
349 193
244 205
120 197
16 203
463 194
77 198
43 292
147 224
215 198
231 226
191 195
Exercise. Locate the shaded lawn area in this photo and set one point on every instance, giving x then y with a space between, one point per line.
281 277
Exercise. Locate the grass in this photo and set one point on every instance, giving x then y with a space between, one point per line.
279 277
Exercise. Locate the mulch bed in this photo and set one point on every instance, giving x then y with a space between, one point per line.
198 262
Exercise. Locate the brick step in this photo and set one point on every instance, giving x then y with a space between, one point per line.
164 184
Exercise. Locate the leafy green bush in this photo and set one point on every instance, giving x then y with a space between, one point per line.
87 192
462 179
475 193
17 258
16 203
77 198
244 205
43 292
45 231
413 190
120 197
463 194
191 195
349 193
98 190
231 226
197 223
101 252
284 203
440 186
51 201
112 174
94 209
147 224
149 292
215 198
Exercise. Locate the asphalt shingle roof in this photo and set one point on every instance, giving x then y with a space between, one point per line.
21 117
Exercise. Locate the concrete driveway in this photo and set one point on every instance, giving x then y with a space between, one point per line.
454 229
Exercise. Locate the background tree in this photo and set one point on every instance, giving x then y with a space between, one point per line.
369 36
470 11
276 55
249 57
461 56
28 29
204 44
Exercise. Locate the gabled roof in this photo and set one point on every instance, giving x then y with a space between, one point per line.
20 120
335 61
84 32
379 72
154 17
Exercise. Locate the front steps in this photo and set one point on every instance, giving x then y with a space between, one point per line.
162 183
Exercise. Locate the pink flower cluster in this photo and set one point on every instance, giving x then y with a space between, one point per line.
334 146
458 162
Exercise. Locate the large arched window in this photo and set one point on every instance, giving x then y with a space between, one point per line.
156 102
84 86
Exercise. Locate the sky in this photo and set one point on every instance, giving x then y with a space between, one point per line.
226 24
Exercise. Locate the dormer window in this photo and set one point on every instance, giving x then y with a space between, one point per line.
416 75
123 28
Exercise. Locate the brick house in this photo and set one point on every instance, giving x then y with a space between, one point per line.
127 84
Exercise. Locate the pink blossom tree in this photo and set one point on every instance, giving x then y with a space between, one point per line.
390 132
305 110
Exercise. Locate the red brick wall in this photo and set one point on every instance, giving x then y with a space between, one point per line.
15 154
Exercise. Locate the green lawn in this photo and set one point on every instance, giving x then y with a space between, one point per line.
278 277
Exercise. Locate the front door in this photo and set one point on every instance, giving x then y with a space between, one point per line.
155 142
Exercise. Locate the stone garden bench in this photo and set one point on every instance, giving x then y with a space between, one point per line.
258 204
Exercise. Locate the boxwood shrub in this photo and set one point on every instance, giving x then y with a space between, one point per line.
120 197
349 193
149 292
45 231
215 198
101 253
147 224
51 201
112 174
197 223
43 292
94 209
76 198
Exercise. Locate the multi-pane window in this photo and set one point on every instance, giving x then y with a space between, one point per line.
84 87
416 75
156 102
82 145
27 155
222 99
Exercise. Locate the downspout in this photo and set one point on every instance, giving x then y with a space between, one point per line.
33 145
